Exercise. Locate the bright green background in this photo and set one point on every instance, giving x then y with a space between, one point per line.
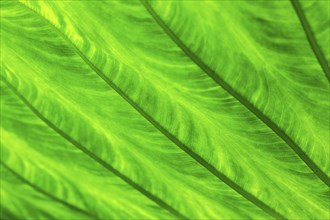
164 110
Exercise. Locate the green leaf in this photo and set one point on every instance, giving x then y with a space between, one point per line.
164 110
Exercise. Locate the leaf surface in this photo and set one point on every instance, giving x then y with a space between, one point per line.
163 110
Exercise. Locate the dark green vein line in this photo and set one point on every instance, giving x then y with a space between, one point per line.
107 166
311 38
40 190
171 137
276 129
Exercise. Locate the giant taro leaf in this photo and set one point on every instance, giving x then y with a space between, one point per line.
165 110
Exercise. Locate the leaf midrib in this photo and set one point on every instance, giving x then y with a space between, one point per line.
241 99
40 190
263 206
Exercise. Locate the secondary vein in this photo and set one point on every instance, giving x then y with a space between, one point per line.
265 119
311 38
99 160
40 190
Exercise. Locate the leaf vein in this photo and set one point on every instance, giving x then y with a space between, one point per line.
311 38
261 116
107 166
37 188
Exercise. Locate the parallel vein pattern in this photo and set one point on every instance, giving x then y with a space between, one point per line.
99 160
186 149
323 176
190 105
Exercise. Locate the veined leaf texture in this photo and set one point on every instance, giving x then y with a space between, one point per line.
175 109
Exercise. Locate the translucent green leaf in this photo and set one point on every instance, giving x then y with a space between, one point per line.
164 110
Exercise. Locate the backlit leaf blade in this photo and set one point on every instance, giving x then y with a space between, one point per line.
128 147
141 105
274 83
62 171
